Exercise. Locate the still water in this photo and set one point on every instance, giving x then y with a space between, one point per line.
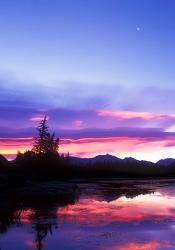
102 215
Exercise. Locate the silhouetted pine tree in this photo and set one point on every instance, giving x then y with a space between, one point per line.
53 143
41 141
45 142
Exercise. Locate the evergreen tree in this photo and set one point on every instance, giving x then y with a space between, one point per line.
45 142
53 143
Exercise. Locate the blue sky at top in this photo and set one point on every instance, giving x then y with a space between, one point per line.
113 42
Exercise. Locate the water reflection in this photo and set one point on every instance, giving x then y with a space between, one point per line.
99 215
38 210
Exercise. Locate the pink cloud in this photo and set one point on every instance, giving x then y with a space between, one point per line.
151 148
143 148
78 124
10 146
122 114
37 118
42 110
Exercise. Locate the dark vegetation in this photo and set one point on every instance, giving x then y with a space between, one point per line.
44 163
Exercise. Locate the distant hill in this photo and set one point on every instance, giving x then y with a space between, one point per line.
107 158
166 162
96 159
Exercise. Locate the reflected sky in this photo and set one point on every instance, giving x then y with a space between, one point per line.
94 221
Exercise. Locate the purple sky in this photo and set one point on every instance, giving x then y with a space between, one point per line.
102 71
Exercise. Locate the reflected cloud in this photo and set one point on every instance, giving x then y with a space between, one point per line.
107 214
153 245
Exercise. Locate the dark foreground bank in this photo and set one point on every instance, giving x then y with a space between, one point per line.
31 167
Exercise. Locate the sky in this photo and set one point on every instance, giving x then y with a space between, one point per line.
101 70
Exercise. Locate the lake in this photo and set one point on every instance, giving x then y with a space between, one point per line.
102 215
